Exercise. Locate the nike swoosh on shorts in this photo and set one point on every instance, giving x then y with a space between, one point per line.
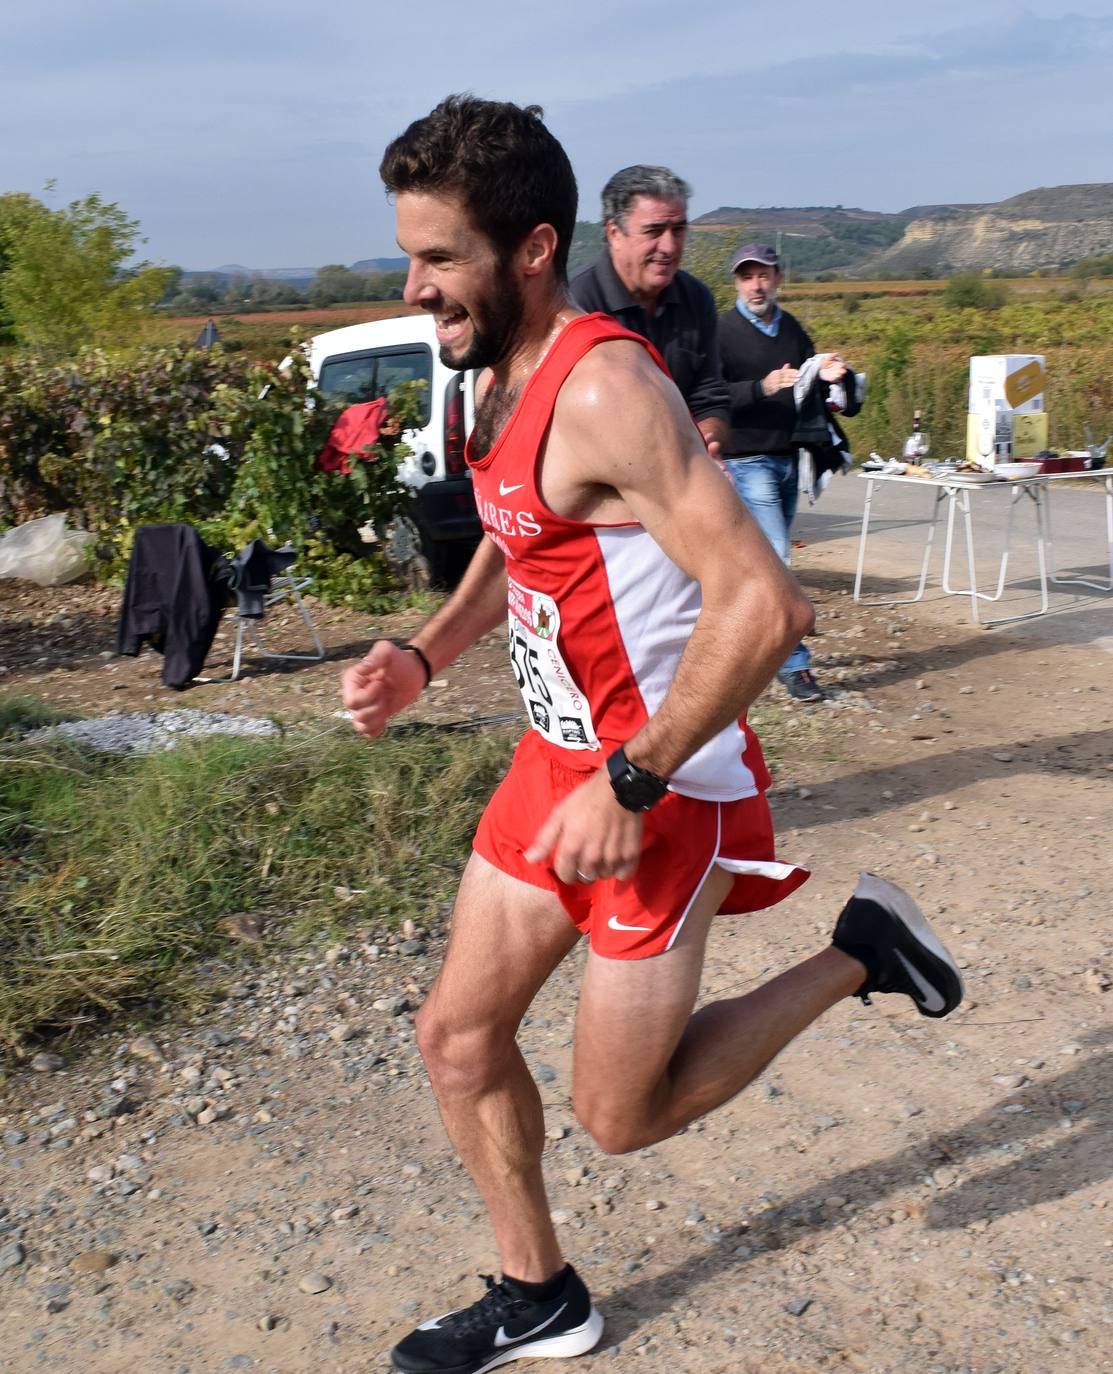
616 924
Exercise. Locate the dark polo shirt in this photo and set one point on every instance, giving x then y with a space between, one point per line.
685 330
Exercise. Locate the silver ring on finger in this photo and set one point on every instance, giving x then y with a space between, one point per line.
583 877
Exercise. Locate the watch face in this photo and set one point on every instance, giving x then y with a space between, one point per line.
636 789
641 792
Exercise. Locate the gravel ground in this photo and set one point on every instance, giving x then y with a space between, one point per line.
270 1188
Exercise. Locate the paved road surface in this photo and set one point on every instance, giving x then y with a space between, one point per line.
1076 615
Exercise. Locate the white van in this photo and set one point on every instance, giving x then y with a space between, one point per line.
366 361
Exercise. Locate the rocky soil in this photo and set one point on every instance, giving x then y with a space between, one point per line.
270 1189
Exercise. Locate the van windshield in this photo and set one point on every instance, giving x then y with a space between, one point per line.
358 377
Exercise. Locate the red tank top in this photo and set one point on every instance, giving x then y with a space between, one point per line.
598 614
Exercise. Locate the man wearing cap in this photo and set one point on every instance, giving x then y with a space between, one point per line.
638 282
762 348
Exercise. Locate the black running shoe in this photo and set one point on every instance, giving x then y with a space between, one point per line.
503 1325
801 685
883 928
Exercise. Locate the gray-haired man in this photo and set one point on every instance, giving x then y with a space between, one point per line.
638 281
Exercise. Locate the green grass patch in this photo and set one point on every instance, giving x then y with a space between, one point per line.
21 714
117 874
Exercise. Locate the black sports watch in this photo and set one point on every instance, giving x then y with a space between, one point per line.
636 789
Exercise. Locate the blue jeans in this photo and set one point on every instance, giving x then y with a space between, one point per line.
768 484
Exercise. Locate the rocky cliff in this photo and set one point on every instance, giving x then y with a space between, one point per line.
1043 229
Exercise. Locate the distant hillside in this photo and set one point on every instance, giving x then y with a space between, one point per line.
294 276
381 265
1040 230
812 239
587 243
1045 229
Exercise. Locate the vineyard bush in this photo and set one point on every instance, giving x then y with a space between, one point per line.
203 437
916 352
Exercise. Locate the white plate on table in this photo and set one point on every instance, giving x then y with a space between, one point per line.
1016 472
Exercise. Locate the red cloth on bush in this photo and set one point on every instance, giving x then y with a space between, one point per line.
355 429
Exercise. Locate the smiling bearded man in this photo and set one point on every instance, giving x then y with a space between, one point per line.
646 612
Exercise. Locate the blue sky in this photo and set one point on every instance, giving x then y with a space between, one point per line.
250 131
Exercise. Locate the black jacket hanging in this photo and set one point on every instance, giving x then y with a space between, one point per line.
174 597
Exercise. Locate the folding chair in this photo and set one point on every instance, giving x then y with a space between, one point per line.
284 586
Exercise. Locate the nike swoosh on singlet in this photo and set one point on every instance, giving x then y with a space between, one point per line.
616 924
504 490
501 1338
930 996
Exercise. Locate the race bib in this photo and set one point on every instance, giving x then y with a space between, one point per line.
557 708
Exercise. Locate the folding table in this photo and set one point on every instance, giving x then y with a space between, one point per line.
958 492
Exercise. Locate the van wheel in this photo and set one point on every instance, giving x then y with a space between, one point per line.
405 554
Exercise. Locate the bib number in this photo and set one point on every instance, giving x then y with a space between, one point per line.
556 707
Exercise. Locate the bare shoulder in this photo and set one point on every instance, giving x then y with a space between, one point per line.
620 423
617 371
616 403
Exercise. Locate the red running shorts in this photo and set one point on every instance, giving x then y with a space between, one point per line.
683 839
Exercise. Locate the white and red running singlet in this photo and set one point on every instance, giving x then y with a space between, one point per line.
598 615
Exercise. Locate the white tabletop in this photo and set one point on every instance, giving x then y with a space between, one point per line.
969 483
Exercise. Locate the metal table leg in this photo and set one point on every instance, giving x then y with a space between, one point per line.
1106 586
901 601
962 498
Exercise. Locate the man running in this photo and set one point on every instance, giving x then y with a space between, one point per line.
646 612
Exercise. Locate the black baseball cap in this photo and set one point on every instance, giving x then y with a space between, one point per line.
755 252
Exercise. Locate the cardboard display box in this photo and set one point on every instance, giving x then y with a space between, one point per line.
1029 434
1006 397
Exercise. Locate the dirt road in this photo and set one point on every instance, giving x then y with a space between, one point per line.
894 1194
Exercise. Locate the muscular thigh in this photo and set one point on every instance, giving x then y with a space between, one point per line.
506 938
633 1012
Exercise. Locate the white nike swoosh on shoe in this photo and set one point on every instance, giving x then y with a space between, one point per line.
501 1338
930 996
504 490
616 924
